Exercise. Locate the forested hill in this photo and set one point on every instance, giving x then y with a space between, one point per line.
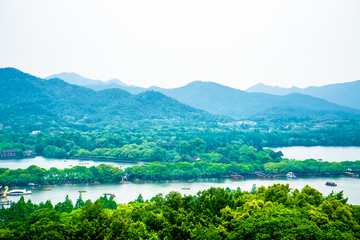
219 99
24 98
346 94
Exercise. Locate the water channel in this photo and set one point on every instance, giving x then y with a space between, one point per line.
125 193
128 192
48 163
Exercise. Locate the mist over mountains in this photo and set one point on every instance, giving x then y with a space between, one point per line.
74 78
346 94
218 99
25 98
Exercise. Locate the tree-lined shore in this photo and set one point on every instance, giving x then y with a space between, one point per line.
274 212
169 171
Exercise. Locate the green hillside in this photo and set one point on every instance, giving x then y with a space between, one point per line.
27 98
259 100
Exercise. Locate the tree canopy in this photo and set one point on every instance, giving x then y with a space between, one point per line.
274 212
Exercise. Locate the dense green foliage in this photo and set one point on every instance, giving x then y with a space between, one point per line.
304 132
251 161
205 169
216 213
37 175
166 143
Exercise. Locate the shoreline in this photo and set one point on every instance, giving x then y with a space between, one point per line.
185 180
107 159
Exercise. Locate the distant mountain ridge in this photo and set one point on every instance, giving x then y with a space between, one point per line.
74 78
56 99
276 90
346 94
218 99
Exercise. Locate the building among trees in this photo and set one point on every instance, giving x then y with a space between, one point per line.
8 152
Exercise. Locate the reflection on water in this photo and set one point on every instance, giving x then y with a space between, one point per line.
125 193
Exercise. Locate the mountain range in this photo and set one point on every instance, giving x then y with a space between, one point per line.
346 94
24 97
223 100
74 78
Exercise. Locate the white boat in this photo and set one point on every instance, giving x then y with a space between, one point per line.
290 175
18 192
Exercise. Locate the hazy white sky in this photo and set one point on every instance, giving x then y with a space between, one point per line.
171 43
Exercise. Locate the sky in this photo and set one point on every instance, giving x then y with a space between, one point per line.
172 43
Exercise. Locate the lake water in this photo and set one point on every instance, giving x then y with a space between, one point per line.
128 192
48 163
330 154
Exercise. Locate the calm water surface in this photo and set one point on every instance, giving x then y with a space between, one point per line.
48 163
128 192
330 154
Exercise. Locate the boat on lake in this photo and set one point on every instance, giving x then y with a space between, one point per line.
17 192
236 176
190 181
95 183
350 174
81 191
185 188
330 184
290 175
46 189
109 194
